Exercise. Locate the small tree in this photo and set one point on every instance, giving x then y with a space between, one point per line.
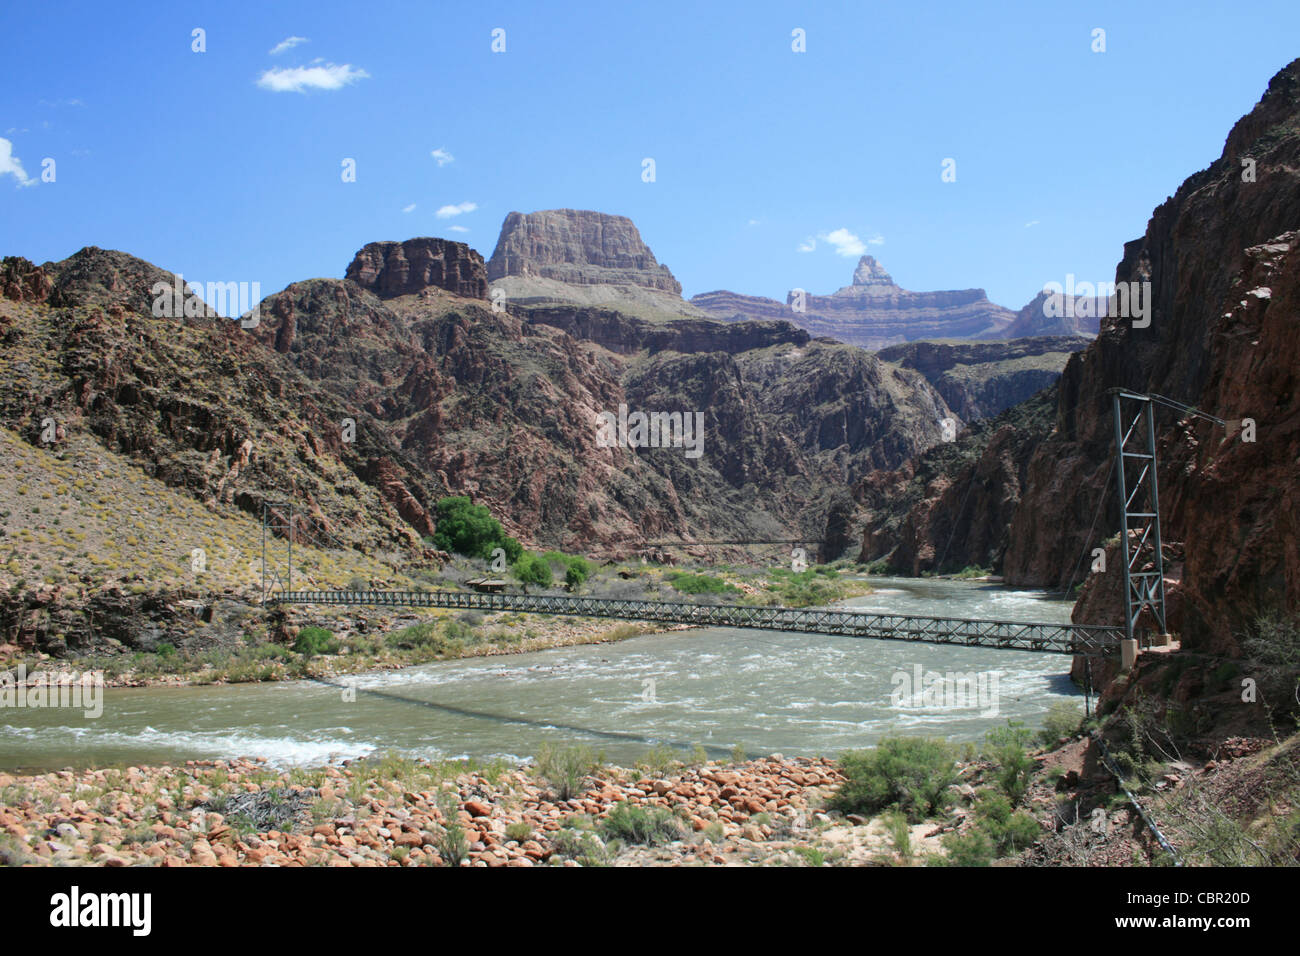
532 569
470 529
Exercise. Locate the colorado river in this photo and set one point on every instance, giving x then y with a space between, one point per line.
766 691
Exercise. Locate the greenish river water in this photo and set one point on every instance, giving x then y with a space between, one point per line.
799 694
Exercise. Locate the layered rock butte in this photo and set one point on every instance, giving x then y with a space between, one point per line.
584 257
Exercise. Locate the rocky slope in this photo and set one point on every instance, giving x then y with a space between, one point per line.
951 507
873 312
979 380
365 399
1058 314
502 406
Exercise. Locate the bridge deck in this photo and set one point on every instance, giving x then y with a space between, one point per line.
1088 640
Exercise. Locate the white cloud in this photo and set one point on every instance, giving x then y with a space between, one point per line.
845 243
446 212
808 245
755 222
298 79
876 240
1032 222
410 208
288 43
11 165
458 229
442 156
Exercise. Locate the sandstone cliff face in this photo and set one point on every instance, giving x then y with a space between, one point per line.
873 312
979 380
390 269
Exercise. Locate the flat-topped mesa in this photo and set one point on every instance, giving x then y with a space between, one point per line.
578 247
391 269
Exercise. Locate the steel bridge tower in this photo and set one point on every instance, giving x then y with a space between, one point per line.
277 516
1139 498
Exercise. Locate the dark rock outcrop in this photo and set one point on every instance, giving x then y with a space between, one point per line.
391 269
627 335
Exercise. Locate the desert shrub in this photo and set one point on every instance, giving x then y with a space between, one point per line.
519 831
314 640
358 583
1062 720
658 761
649 826
565 769
909 774
423 635
451 842
972 848
1006 746
1008 832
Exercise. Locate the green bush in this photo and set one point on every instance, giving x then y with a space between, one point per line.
470 529
650 826
315 640
909 774
358 583
688 583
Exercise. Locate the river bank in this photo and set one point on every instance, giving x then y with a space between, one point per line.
393 812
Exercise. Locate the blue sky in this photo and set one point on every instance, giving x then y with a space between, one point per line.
224 166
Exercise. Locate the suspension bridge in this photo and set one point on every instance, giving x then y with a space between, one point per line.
1080 639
